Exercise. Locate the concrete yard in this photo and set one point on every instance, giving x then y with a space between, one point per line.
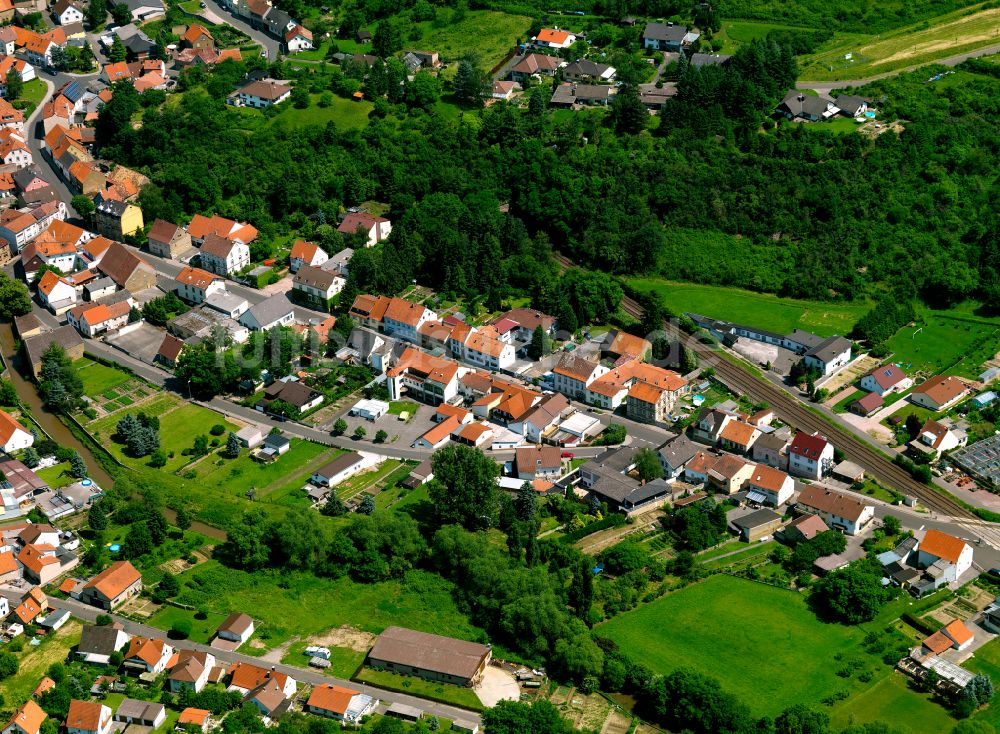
497 685
142 343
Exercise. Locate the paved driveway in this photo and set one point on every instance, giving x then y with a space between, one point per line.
497 685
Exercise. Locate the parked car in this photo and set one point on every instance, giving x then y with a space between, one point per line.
567 454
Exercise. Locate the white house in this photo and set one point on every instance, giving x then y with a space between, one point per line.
769 486
885 379
573 375
935 436
87 717
223 256
148 655
298 38
262 94
838 510
92 319
194 285
830 354
341 704
190 671
306 253
65 12
554 38
147 714
55 293
237 628
27 719
274 311
376 228
318 284
939 392
336 471
955 554
810 456
13 436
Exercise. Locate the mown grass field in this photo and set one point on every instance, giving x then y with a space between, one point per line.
920 43
98 378
754 639
893 701
302 604
202 630
464 697
180 422
763 310
987 660
344 662
737 33
345 113
957 342
487 33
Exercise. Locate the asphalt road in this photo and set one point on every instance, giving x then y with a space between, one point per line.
302 675
271 44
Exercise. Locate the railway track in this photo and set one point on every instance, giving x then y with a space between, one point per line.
876 463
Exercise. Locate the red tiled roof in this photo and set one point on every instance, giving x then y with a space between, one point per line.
942 545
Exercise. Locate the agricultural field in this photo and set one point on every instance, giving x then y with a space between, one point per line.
763 310
302 604
920 43
180 422
766 640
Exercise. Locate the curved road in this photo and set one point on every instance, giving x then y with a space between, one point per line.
827 87
272 45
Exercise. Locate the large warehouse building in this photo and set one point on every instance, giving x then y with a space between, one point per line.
429 656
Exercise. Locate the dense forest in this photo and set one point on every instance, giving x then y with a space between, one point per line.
711 191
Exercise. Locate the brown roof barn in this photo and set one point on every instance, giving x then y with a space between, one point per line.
430 656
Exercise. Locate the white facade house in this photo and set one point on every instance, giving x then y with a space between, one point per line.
318 284
237 628
769 486
885 379
13 436
262 94
194 285
274 311
838 510
66 12
810 456
954 554
57 294
87 717
223 256
830 355
336 471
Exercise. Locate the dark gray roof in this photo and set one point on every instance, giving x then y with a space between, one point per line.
25 176
276 441
805 338
65 335
797 102
133 708
679 451
342 462
270 309
756 519
830 348
709 59
97 640
314 277
585 67
664 32
850 102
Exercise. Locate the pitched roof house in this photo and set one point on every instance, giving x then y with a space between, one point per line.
939 392
838 510
375 229
112 586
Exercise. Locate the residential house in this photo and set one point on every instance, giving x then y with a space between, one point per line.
710 424
542 420
117 219
771 449
65 336
317 286
306 253
168 240
260 94
568 95
169 351
32 604
953 554
534 65
202 226
190 671
43 562
141 713
538 462
98 288
757 525
295 393
244 677
423 376
769 486
129 271
65 12
237 627
675 455
13 436
194 285
739 436
99 643
57 294
504 91
274 311
884 380
147 655
192 718
437 658
937 437
867 405
620 344
142 10
111 587
810 455
573 375
197 37
668 37
837 509
223 256
939 393
375 229
589 72
830 355
338 470
851 105
439 434
554 38
805 527
729 473
341 704
298 39
27 719
93 319
798 105
88 717
403 319
14 151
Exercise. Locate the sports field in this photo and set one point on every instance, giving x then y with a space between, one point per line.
754 639
763 310
954 342
920 43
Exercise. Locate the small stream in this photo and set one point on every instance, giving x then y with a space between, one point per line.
59 433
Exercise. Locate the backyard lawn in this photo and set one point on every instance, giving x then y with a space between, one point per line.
346 113
457 695
56 476
754 639
34 661
302 604
987 660
180 422
892 700
763 310
98 378
344 662
202 630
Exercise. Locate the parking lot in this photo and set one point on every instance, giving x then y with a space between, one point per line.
401 433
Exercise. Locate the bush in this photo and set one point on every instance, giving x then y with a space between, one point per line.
180 630
218 429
